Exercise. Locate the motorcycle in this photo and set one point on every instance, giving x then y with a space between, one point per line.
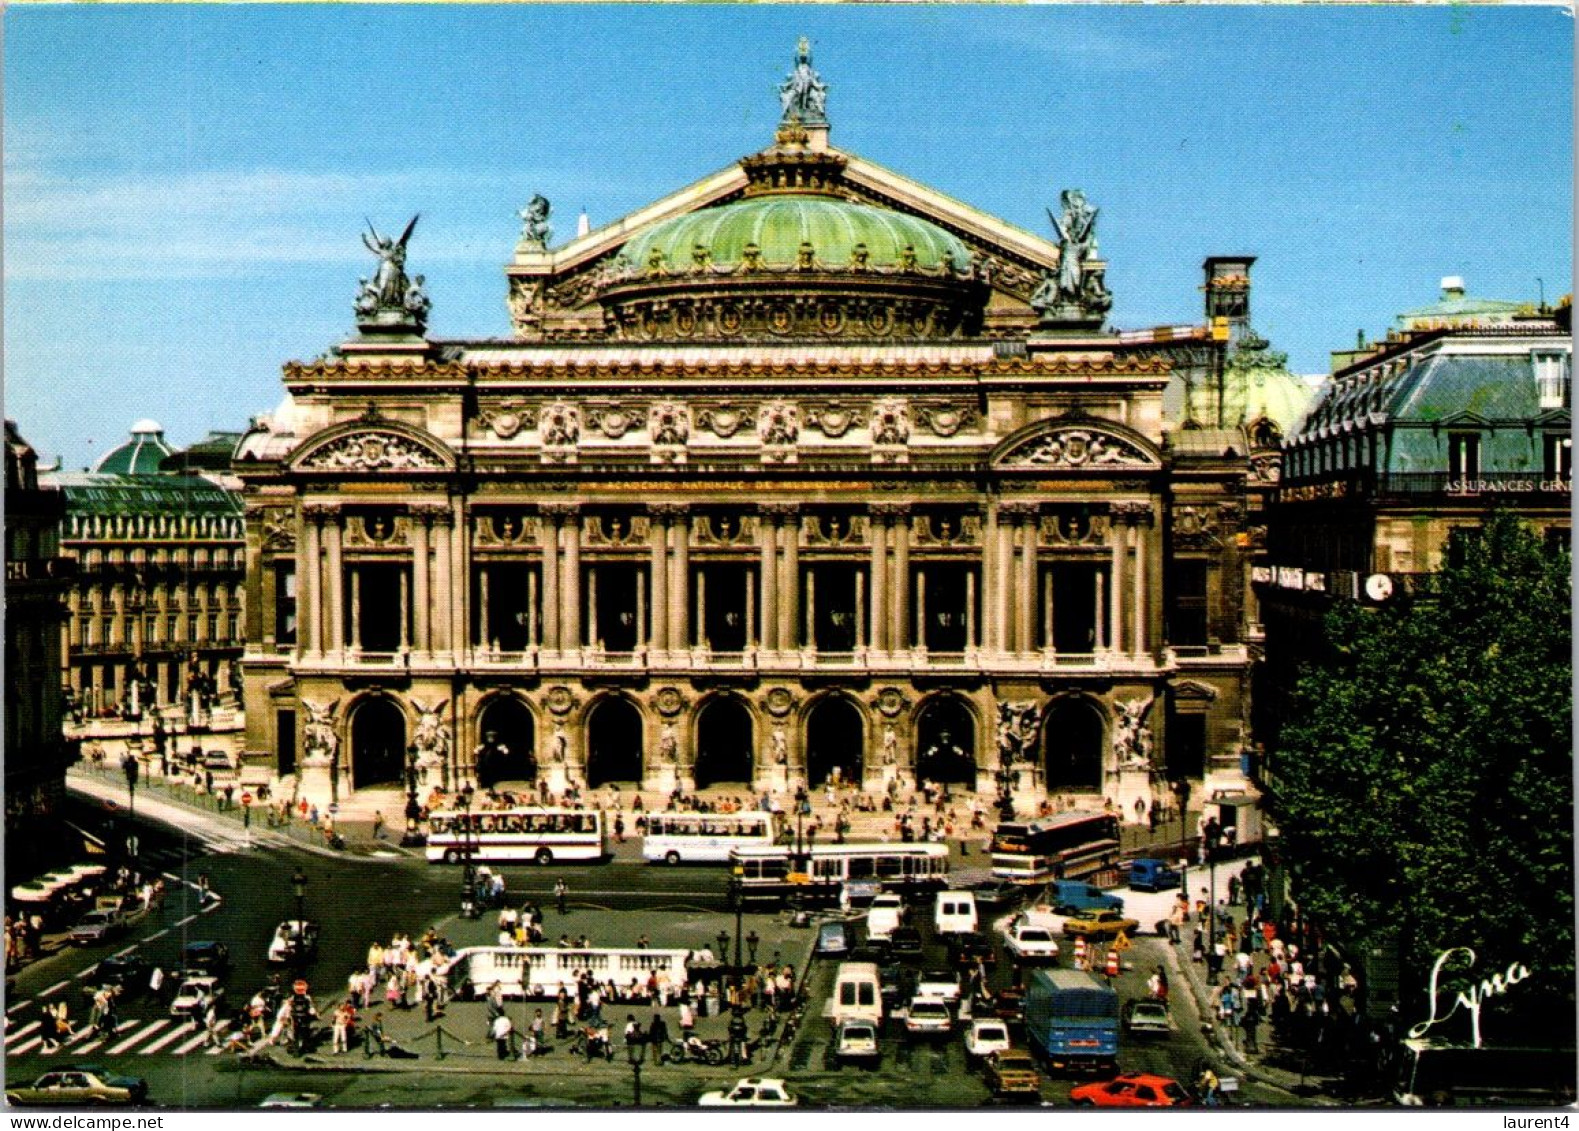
695 1050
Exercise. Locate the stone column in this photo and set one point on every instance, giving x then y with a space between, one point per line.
989 580
309 617
1003 566
405 613
1118 538
420 530
1047 608
769 579
701 610
1142 569
789 592
658 567
811 609
483 642
970 611
680 582
571 631
334 563
533 637
860 610
901 589
1028 540
550 519
454 572
921 609
592 638
356 610
879 569
1099 616
641 611
445 599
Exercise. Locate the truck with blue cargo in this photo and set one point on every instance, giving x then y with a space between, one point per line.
1072 1019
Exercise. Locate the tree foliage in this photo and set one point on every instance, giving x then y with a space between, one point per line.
1425 780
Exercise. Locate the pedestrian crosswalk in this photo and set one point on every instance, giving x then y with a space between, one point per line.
135 1037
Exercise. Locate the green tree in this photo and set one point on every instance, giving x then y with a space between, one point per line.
1425 778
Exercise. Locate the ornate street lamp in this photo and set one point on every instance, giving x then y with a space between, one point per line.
735 883
299 886
752 941
413 835
469 875
129 768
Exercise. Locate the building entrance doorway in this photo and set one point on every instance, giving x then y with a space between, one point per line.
835 741
378 744
724 743
1072 740
508 750
614 743
946 743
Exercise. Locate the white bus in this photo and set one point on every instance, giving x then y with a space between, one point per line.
678 838
821 872
511 835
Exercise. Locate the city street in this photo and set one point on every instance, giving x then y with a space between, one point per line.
380 891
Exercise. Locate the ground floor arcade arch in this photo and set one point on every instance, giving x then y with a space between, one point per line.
378 743
725 742
507 752
946 742
614 743
835 740
1073 746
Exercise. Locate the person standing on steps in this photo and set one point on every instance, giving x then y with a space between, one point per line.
562 895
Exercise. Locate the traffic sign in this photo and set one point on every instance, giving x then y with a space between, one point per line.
1121 941
334 807
246 799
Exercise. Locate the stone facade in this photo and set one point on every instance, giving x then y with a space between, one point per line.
856 516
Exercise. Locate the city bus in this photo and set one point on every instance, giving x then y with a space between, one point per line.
513 835
1053 848
1432 1073
820 873
676 838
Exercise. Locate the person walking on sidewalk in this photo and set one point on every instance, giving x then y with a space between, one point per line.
503 1033
658 1035
562 895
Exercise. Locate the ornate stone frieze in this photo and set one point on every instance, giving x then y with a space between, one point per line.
723 420
616 530
669 423
834 419
944 419
1073 527
1267 467
505 529
526 304
836 529
507 419
615 419
946 530
561 424
1195 527
778 424
726 529
372 451
377 530
891 421
1077 449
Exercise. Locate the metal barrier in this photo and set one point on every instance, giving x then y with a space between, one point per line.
541 972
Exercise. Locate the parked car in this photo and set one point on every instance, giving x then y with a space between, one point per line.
1008 1003
940 984
194 995
985 1037
1147 1017
292 1100
905 944
928 1017
295 940
1150 874
833 938
884 916
1012 1075
208 956
81 1085
216 760
1099 925
1028 942
126 972
753 1091
1136 1090
967 949
856 1043
98 926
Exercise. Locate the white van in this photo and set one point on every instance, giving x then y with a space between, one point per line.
857 994
886 913
955 913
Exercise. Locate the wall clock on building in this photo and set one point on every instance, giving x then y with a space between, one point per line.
1378 587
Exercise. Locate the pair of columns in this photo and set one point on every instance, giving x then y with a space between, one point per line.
427 600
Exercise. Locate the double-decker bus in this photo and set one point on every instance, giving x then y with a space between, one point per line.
1053 848
676 838
511 835
820 873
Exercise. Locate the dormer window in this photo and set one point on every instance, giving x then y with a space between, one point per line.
1551 378
1558 456
1463 455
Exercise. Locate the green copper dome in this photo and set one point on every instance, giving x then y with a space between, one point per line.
138 456
778 224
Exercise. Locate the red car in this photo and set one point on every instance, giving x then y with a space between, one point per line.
1138 1090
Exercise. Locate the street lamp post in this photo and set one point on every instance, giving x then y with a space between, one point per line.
636 1051
299 886
735 883
469 875
412 837
129 768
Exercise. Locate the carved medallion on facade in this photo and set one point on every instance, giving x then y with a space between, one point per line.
560 700
615 420
372 451
890 701
834 419
722 420
507 420
669 701
780 702
1077 449
945 419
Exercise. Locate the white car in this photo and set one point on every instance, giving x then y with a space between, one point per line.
192 998
928 1017
1027 942
885 914
940 984
985 1037
753 1091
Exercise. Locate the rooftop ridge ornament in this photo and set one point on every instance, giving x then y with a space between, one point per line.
390 300
803 93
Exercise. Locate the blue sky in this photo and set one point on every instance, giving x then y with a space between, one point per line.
185 185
